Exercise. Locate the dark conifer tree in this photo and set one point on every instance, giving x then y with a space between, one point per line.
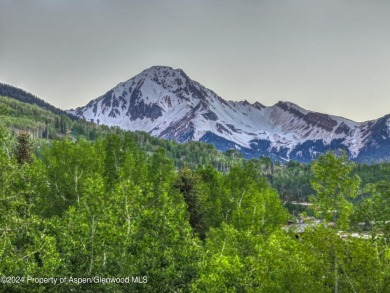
187 184
24 149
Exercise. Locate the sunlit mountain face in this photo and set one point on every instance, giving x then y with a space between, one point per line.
166 103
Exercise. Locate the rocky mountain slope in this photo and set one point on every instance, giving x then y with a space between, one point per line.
166 103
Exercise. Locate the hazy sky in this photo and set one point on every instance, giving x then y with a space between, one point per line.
331 56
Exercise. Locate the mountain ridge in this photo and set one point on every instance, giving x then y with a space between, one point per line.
166 103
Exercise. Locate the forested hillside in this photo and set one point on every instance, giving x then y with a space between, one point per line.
117 206
25 97
291 179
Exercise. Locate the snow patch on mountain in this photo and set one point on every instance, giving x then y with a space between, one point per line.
166 103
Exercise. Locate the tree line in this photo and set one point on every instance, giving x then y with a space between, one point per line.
109 208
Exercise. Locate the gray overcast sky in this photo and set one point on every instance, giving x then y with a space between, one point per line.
331 56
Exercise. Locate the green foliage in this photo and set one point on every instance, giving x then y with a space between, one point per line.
252 204
4 133
24 149
242 262
25 247
103 202
348 265
214 200
372 173
334 186
187 184
292 181
68 165
27 98
373 212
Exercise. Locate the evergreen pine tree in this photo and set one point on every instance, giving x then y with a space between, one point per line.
24 149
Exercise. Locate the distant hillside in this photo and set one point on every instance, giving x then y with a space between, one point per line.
292 180
26 97
39 121
42 123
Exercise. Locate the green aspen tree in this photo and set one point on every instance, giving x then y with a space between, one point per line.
334 186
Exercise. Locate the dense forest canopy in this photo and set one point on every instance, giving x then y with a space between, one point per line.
85 201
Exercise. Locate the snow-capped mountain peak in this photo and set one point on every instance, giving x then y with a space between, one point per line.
168 104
